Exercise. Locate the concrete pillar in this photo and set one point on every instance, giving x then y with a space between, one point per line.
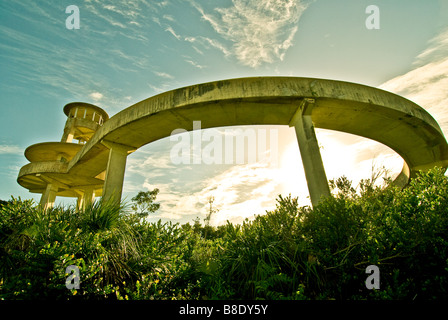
86 199
116 166
48 197
70 135
310 153
69 130
79 203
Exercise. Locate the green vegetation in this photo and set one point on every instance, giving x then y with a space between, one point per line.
143 203
291 252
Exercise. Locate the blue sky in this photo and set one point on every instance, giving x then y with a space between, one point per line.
126 51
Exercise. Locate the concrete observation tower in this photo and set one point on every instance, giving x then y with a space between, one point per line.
83 119
52 158
96 164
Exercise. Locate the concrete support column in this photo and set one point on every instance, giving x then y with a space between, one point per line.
48 197
79 203
310 153
69 130
116 166
86 199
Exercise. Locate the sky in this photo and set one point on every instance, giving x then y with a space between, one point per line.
127 51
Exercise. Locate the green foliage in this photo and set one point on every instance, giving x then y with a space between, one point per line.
143 203
291 252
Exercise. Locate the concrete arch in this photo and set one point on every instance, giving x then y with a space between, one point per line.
304 103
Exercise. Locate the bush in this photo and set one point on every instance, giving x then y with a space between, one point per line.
322 253
291 252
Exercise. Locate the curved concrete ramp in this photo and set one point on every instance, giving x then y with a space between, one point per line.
304 103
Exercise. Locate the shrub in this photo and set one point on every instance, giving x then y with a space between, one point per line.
291 252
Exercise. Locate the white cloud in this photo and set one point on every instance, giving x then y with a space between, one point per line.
427 85
436 51
198 51
164 75
261 31
162 4
240 192
160 159
195 64
109 7
168 17
208 43
96 96
161 88
7 149
58 70
156 20
171 30
101 14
